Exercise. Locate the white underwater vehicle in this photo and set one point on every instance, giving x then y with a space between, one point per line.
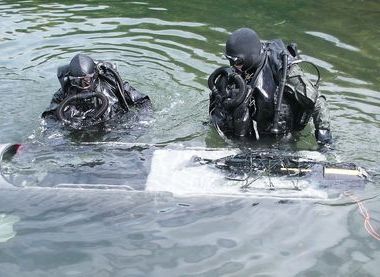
187 171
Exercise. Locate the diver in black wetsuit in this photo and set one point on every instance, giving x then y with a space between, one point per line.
92 92
264 91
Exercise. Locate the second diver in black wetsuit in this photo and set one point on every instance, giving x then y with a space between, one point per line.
264 91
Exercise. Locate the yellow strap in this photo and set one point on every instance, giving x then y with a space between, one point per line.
340 171
295 170
327 170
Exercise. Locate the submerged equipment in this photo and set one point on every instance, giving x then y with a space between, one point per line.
241 166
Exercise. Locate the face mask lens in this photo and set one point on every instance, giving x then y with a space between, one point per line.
86 81
235 61
239 61
81 82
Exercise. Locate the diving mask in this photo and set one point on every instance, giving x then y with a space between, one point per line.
82 82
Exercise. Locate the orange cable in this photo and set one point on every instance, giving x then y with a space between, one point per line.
364 212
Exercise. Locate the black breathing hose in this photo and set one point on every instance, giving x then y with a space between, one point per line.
215 75
275 129
229 102
82 96
233 102
119 83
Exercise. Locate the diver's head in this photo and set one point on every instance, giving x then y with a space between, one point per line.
244 50
82 71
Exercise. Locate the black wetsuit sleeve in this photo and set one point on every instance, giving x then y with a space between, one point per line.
309 98
321 114
135 97
59 96
220 117
56 100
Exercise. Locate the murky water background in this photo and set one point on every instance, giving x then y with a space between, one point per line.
167 49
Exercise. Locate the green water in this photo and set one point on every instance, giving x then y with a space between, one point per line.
167 49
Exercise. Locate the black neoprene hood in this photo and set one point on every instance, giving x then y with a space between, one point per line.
81 65
245 43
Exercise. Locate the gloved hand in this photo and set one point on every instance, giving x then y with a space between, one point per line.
323 136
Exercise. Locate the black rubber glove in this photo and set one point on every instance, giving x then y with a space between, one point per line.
323 136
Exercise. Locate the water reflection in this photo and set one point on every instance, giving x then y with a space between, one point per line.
127 234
